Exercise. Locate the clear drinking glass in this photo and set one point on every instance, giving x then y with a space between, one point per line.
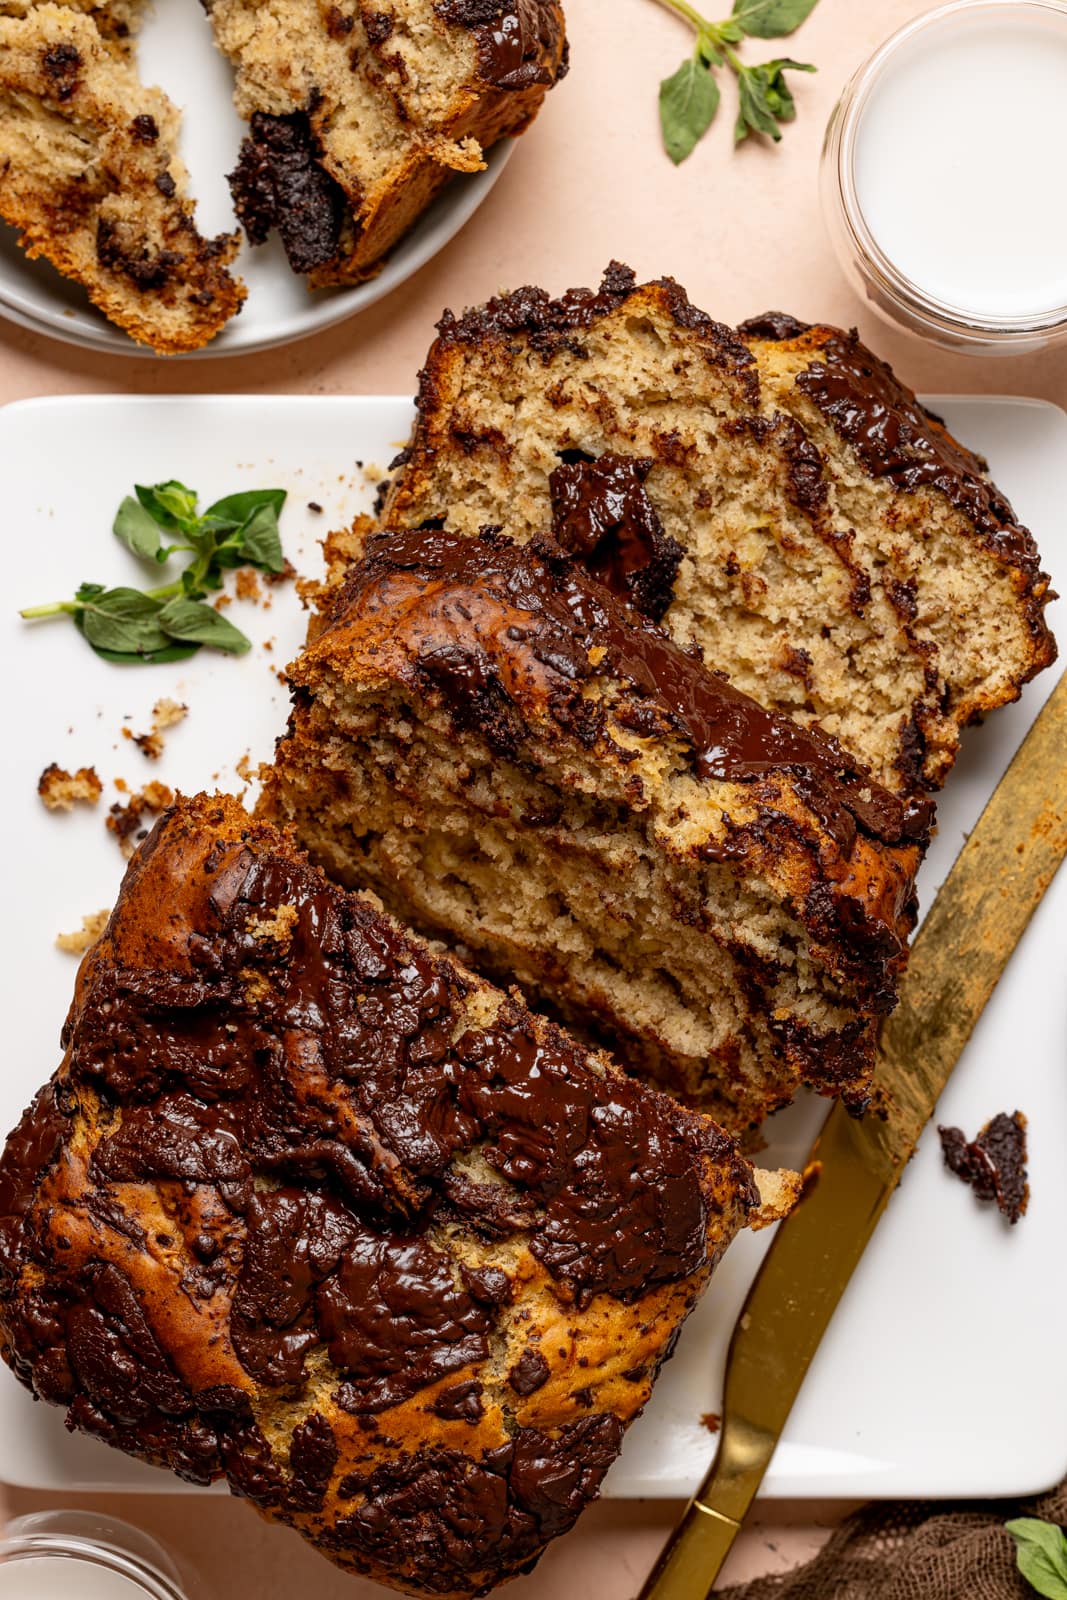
74 1555
872 272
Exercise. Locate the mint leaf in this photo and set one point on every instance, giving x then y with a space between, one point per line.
771 19
259 540
137 529
170 504
688 102
193 622
1041 1555
765 98
122 619
708 51
236 508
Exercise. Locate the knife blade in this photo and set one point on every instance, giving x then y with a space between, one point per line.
962 948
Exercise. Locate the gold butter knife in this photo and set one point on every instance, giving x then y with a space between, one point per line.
961 950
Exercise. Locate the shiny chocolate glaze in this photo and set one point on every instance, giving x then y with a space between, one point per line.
897 439
518 40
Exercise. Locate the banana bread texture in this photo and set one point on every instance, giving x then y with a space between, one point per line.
804 520
513 758
312 1208
361 110
91 177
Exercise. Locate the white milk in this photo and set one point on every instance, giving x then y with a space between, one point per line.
959 161
56 1578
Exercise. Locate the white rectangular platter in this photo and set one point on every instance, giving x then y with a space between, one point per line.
943 1372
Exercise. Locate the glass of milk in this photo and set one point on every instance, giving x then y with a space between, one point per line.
943 175
73 1555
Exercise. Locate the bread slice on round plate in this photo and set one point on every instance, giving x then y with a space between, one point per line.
91 177
361 110
311 1208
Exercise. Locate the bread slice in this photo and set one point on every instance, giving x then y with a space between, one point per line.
514 759
361 110
310 1207
806 522
90 175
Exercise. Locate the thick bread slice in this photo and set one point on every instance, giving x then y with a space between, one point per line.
117 20
90 175
309 1207
361 111
512 758
823 539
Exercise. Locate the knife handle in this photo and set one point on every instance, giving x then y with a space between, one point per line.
694 1556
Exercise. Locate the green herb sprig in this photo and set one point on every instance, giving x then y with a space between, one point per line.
689 98
1041 1555
173 621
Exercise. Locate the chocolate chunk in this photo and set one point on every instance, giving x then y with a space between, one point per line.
994 1164
144 129
313 1454
461 1403
601 512
134 260
530 1372
62 64
774 325
279 183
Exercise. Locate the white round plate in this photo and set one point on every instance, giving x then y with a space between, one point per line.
176 51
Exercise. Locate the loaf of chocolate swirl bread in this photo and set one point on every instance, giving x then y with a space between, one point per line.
775 495
514 758
311 1208
361 110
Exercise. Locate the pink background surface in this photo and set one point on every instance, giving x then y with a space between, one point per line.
743 232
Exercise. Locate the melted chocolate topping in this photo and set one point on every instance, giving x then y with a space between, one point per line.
567 615
601 512
518 40
896 439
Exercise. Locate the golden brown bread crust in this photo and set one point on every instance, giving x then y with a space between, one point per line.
311 1208
91 177
838 551
362 111
575 726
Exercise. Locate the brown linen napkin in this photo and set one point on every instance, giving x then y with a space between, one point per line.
926 1551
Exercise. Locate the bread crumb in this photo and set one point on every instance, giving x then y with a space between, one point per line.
286 575
247 585
165 714
779 1192
223 601
373 472
124 821
712 1421
61 790
244 767
76 944
279 927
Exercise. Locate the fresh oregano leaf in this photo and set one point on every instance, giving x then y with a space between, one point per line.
236 508
1041 1555
765 98
124 620
259 540
688 101
771 19
171 504
137 529
709 52
194 622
